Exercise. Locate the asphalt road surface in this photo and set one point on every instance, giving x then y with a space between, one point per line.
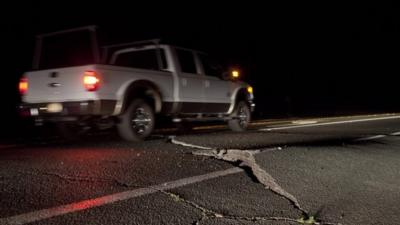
343 170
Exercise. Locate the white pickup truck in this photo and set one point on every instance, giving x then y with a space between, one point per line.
128 85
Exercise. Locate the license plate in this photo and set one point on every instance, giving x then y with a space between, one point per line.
54 107
34 112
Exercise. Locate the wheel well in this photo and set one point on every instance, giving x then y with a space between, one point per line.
145 90
242 95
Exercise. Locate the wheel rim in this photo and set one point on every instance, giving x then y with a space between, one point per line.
243 116
141 121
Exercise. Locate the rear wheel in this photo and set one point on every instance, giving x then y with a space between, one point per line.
137 122
241 117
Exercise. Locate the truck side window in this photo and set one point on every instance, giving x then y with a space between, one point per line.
144 59
210 67
186 60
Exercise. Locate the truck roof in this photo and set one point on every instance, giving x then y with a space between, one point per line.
99 52
141 43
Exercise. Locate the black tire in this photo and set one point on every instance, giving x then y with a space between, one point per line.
241 117
137 122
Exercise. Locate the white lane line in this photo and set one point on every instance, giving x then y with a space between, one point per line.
395 133
109 199
370 138
303 122
330 123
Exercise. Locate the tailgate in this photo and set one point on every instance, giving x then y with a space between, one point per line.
58 85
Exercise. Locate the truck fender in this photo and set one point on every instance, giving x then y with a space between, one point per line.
139 89
239 94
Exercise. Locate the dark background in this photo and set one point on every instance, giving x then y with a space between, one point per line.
302 58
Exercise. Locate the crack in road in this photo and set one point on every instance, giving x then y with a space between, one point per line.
79 178
209 213
245 159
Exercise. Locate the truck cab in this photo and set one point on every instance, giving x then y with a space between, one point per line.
130 84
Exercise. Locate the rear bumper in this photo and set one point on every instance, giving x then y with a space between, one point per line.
68 109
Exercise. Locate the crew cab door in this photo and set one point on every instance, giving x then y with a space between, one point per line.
191 82
217 91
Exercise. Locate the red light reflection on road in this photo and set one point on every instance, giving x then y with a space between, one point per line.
85 204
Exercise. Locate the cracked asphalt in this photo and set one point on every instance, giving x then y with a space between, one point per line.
334 175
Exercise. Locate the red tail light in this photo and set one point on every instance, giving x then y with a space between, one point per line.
91 81
23 85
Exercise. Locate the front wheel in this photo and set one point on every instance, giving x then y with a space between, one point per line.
241 117
137 122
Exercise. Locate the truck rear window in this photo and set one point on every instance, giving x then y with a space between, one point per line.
70 49
143 59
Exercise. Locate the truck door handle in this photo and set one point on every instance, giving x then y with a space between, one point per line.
207 83
184 82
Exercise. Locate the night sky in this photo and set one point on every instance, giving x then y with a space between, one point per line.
302 58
